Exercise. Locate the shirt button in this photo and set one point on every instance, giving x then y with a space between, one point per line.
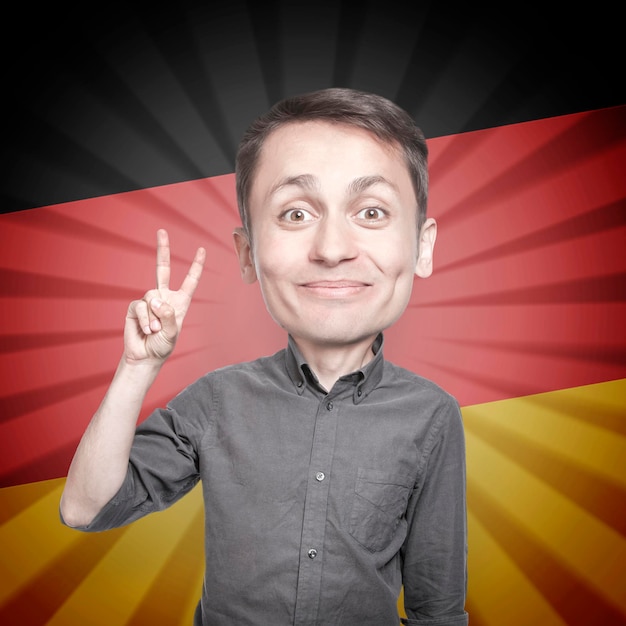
329 406
312 553
320 476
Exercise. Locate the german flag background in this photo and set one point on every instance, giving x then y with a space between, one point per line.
122 119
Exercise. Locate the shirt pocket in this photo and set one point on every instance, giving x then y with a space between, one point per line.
379 503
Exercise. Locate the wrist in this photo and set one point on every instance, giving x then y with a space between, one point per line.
141 368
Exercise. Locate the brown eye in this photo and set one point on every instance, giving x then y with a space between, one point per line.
371 214
296 216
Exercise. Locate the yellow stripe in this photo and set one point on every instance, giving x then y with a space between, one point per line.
551 467
567 423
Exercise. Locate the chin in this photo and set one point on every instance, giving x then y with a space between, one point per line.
322 328
336 336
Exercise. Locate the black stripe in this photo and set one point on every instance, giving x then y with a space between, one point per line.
135 96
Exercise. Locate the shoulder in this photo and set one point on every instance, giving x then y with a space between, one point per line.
265 366
435 407
415 385
264 369
430 405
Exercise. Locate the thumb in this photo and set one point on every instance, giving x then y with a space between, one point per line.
166 316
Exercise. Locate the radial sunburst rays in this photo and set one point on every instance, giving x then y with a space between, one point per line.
522 320
546 496
152 570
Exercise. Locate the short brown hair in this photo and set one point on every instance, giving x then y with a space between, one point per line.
381 117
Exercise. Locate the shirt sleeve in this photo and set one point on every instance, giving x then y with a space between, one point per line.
163 463
435 550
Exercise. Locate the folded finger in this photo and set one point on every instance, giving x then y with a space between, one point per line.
139 311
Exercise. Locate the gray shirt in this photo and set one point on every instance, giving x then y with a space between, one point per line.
318 506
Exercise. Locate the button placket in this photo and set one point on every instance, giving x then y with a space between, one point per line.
315 509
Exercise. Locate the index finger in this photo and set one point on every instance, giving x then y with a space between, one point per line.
163 260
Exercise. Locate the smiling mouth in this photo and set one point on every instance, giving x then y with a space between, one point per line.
335 288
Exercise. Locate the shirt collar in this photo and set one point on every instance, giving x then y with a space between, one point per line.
364 379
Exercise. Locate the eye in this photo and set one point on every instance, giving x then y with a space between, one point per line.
371 214
296 216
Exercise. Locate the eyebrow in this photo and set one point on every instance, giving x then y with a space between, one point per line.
308 182
359 185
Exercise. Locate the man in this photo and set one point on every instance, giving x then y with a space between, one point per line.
330 476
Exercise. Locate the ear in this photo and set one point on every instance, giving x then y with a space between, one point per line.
428 236
244 253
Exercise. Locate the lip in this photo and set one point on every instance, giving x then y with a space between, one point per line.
340 288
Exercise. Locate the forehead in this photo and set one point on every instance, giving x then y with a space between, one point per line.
313 144
309 131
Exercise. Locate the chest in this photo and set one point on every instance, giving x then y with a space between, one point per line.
274 451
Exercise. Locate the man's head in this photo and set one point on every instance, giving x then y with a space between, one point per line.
334 235
385 120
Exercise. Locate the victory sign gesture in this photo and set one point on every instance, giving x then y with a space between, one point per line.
154 322
150 332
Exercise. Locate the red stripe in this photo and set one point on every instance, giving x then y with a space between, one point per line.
528 293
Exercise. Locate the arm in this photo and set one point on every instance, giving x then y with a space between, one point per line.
435 551
151 329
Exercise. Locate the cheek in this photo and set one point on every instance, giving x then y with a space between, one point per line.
398 259
275 265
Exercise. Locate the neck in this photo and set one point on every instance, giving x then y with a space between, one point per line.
330 362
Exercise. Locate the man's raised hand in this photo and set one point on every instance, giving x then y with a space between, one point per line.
154 322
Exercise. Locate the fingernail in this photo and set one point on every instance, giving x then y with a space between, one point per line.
156 303
146 330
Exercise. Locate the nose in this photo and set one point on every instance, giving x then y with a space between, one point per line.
333 241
